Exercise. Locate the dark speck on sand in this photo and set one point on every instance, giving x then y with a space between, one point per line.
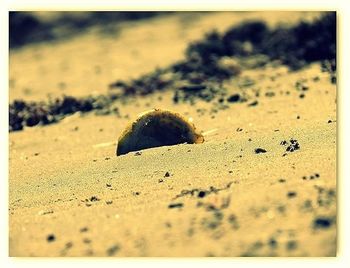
176 205
291 194
112 250
322 222
260 150
50 238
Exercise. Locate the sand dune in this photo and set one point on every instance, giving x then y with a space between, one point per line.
262 184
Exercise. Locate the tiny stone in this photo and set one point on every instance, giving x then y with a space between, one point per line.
260 150
273 243
322 222
201 194
69 245
112 250
291 194
84 229
176 205
86 241
51 238
234 98
94 199
291 245
254 103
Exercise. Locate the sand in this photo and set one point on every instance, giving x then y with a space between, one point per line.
71 196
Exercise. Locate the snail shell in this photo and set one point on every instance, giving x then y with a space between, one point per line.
157 128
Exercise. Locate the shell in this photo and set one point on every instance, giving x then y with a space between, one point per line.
157 128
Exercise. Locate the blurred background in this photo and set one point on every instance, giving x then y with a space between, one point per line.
62 62
38 26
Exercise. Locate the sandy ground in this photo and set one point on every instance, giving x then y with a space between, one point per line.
71 196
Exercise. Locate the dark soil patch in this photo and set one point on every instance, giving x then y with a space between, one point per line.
22 113
26 28
210 60
295 46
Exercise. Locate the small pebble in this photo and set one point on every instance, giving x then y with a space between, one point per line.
260 150
50 238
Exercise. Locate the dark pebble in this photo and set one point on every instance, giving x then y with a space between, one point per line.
292 245
50 238
176 205
272 243
322 223
254 103
291 194
94 199
201 194
84 229
113 250
234 98
260 150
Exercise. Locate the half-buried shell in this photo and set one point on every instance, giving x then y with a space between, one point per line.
157 128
